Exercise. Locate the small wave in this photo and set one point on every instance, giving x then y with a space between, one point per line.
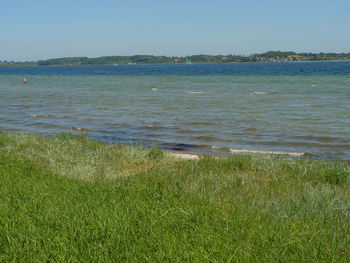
186 131
242 151
20 106
195 92
39 115
150 127
154 89
258 93
102 107
313 85
250 129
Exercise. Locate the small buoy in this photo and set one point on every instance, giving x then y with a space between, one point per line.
24 80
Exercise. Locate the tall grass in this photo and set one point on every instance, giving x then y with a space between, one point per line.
68 198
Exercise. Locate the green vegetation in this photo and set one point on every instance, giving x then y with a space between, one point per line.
17 64
270 56
69 198
110 60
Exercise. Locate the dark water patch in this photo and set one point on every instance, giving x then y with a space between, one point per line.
249 129
200 123
18 106
322 138
103 108
188 133
155 135
179 146
152 127
204 138
42 126
213 139
301 144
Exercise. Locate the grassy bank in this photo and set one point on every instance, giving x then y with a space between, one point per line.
68 198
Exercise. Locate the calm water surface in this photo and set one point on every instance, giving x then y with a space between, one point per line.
294 108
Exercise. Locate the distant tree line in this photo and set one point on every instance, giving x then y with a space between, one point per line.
144 59
13 63
279 56
108 60
270 56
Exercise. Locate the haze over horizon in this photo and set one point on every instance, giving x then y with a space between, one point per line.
42 30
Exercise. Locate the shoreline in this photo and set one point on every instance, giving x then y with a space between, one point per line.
194 63
152 150
192 154
189 154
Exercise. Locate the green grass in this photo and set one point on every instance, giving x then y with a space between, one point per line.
71 199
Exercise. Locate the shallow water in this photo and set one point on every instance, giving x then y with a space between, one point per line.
293 108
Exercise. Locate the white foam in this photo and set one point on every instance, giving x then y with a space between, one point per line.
195 92
313 85
217 147
242 151
39 115
258 93
154 89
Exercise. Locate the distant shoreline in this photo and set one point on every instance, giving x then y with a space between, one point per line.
270 56
138 64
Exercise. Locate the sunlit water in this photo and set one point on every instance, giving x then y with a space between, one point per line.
293 108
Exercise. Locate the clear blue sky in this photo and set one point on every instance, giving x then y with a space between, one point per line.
39 29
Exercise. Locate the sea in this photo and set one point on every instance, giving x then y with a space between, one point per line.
292 109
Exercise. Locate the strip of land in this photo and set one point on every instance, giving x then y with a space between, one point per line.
270 56
69 198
